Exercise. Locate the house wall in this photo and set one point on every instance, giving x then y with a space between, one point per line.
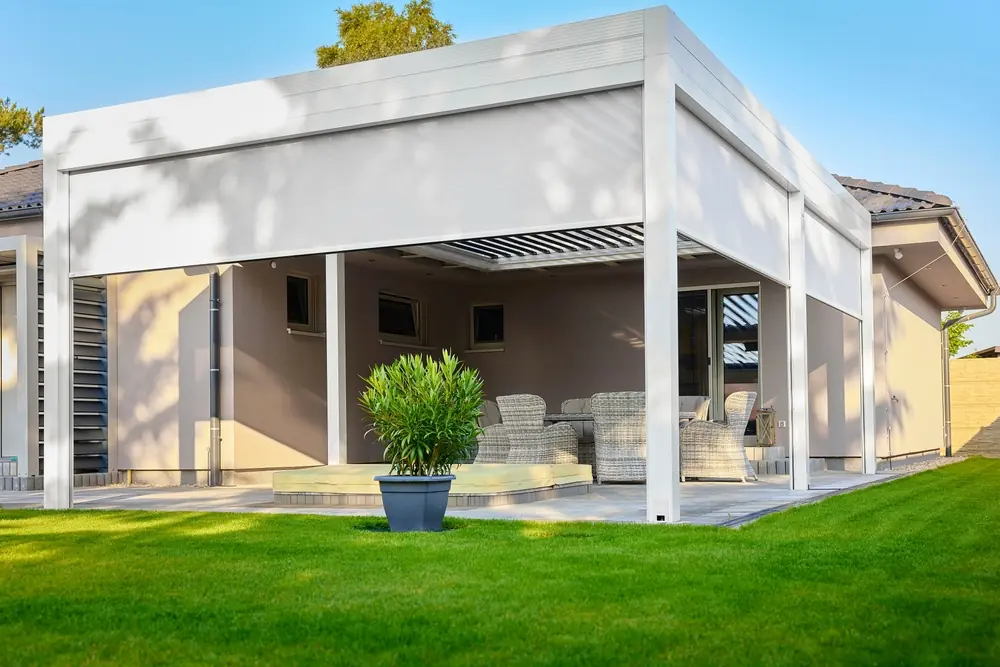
773 331
161 321
911 368
22 226
279 379
834 359
444 328
593 341
566 337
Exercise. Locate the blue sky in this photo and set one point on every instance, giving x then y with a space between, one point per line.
901 91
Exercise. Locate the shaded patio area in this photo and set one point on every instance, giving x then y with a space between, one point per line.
703 503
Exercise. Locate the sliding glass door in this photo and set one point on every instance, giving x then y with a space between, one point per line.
718 343
737 345
693 344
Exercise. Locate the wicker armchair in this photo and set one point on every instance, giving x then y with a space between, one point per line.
696 405
530 440
620 436
576 405
715 450
492 444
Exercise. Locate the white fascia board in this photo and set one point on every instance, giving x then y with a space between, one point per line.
564 60
711 92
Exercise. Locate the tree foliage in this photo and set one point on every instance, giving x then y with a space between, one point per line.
18 125
375 30
957 339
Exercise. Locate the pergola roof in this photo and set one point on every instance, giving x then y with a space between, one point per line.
523 251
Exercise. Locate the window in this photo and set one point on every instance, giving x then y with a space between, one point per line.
487 326
299 303
399 318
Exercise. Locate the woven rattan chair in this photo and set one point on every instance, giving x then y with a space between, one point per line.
696 405
530 440
713 450
584 429
492 444
620 436
576 405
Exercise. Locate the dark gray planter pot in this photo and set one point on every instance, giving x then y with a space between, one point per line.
414 503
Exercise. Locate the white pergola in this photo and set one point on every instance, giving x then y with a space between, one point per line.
620 137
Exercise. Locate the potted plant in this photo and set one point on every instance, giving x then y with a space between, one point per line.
426 413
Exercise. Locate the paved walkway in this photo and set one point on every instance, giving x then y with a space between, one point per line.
708 503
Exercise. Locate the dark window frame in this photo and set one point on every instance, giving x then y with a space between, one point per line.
311 322
417 312
474 342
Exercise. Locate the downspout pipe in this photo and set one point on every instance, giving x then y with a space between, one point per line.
946 362
214 377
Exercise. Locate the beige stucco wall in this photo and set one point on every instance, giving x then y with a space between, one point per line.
834 359
22 226
444 326
908 365
275 413
773 331
592 342
566 337
279 379
160 323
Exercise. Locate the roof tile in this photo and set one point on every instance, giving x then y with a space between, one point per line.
886 198
21 186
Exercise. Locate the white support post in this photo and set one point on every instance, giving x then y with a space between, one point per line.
660 271
868 443
798 366
26 270
58 341
336 362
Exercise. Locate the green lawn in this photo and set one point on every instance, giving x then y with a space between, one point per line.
906 573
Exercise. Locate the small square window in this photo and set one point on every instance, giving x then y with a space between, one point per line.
299 302
487 326
399 318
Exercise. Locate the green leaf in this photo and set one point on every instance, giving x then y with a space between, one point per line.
18 126
425 412
375 30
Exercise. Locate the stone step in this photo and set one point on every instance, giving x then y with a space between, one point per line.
783 466
37 483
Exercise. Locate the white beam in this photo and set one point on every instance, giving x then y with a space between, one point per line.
660 275
58 342
336 361
868 443
798 345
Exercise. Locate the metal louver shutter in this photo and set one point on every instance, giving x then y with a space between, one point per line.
90 374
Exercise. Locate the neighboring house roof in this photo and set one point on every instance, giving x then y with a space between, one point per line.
988 353
889 203
886 198
21 187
